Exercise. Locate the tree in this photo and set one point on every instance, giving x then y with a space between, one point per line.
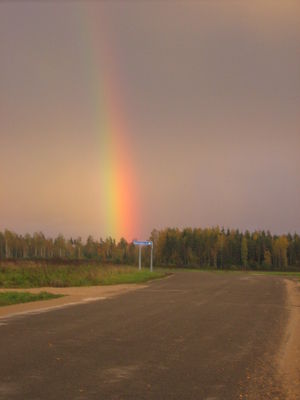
280 252
244 252
267 259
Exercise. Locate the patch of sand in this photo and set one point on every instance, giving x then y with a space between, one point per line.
73 296
289 355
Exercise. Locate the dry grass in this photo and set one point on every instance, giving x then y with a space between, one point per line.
41 274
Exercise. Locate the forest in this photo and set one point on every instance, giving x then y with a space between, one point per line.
214 248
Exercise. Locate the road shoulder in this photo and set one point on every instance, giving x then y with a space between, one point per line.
73 296
289 354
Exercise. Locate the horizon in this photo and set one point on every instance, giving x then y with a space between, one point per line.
208 228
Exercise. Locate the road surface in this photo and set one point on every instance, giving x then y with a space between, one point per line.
194 335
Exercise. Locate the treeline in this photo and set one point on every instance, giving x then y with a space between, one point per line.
37 246
224 249
204 248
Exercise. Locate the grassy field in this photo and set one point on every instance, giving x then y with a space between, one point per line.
29 274
234 270
32 274
287 274
277 273
9 298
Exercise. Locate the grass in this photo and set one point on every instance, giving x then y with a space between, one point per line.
9 298
131 277
278 273
32 274
235 271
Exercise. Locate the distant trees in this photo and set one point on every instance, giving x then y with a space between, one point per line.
217 248
280 247
244 252
205 248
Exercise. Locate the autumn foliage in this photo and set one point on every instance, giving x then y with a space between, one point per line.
203 248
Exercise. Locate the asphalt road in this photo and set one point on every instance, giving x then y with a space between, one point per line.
194 335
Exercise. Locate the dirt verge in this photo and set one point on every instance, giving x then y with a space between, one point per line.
289 354
73 296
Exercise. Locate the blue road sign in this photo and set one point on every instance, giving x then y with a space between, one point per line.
142 242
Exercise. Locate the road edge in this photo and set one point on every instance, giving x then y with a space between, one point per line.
289 354
96 293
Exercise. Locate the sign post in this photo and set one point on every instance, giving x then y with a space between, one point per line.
142 243
151 258
140 257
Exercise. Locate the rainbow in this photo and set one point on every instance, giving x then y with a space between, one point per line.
119 195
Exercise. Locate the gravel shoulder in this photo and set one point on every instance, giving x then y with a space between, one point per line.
289 354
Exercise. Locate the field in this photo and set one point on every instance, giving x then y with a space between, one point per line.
28 274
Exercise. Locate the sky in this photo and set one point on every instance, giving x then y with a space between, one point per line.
197 101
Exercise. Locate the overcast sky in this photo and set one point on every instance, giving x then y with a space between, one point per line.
210 91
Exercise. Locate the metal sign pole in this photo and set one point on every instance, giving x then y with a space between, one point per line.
140 257
142 243
151 259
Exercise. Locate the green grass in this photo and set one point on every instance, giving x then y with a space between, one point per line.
131 277
30 274
278 273
9 298
288 274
